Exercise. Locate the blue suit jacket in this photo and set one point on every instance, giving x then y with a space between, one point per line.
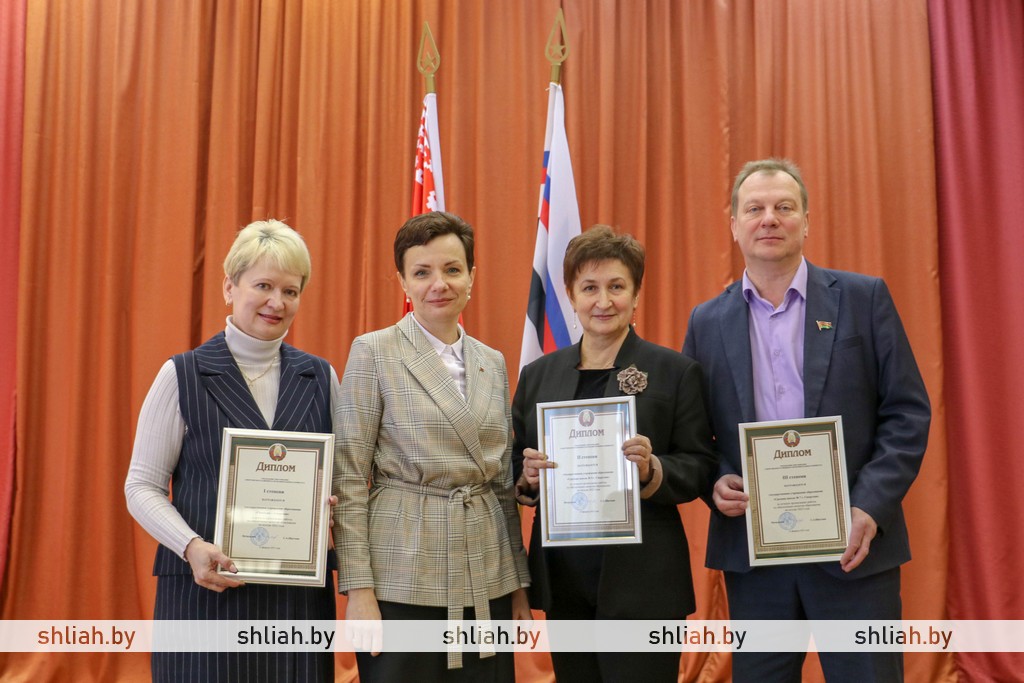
862 368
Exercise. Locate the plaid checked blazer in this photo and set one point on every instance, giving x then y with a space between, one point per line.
438 526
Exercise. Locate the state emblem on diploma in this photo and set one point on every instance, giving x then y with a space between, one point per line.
795 474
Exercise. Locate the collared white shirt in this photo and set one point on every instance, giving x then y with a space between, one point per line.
451 355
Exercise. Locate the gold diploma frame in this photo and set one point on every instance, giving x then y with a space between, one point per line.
592 495
795 474
273 507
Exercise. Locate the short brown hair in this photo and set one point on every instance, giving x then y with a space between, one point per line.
600 243
771 166
423 228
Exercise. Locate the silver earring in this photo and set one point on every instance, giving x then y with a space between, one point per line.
574 320
468 295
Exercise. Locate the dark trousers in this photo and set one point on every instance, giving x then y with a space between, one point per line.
806 591
180 599
425 667
575 574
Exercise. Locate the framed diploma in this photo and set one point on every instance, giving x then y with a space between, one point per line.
592 496
795 474
273 508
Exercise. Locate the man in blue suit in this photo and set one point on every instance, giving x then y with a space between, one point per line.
788 341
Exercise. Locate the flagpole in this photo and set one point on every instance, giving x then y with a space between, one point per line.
428 181
428 190
557 49
429 59
428 195
549 311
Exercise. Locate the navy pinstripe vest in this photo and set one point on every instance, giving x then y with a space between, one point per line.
212 395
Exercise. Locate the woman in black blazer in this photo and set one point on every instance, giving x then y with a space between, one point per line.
649 580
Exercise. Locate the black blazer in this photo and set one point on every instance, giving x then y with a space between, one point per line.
859 366
649 580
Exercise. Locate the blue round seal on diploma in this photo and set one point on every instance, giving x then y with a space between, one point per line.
259 536
580 500
787 520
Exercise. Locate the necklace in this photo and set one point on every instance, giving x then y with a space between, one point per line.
252 380
594 364
600 358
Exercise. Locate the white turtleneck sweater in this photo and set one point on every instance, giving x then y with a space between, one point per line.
161 432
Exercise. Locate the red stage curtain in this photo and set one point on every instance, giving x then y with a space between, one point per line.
978 64
153 131
12 68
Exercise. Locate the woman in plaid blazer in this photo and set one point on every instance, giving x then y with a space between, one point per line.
424 417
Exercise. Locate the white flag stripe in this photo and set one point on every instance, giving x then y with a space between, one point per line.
563 209
434 139
549 311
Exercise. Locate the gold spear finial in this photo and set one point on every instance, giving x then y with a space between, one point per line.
557 49
429 58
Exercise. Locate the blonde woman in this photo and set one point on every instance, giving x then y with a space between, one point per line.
245 376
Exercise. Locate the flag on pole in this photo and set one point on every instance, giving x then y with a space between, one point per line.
428 181
549 312
428 184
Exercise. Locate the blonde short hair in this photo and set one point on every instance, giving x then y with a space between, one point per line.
271 240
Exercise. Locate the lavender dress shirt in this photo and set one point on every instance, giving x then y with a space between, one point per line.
777 349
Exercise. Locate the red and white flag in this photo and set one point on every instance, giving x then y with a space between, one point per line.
549 310
428 182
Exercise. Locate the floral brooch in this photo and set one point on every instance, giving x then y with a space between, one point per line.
632 381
